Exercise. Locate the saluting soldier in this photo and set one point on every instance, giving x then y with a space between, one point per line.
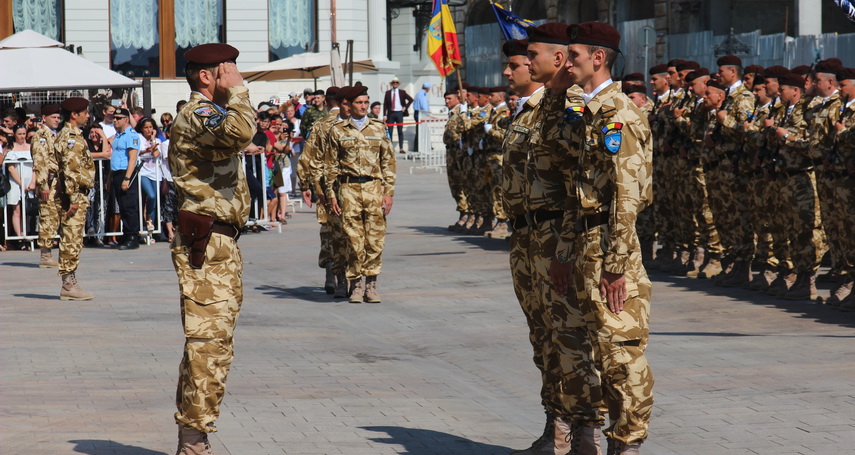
205 147
607 163
77 175
362 163
46 170
844 196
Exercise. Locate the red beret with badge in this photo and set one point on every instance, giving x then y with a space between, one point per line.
50 109
354 92
211 54
658 69
594 34
550 32
729 60
793 80
75 104
515 47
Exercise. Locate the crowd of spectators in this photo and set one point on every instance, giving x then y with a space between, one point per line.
270 159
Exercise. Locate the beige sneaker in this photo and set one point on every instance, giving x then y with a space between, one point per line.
71 290
192 442
357 292
46 260
371 295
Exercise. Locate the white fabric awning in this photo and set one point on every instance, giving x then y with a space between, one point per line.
33 62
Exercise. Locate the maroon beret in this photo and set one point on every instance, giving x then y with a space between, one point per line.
352 93
756 69
834 60
775 72
484 90
332 90
792 79
759 80
498 89
75 104
688 65
451 92
339 95
515 47
594 34
658 69
634 88
828 67
633 77
846 73
801 70
696 74
729 60
50 109
675 62
211 54
550 32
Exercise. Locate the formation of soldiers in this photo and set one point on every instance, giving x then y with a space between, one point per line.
754 176
64 173
348 171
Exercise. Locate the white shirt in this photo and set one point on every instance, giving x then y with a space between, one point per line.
164 163
734 86
524 99
829 96
150 165
850 102
587 97
396 100
360 123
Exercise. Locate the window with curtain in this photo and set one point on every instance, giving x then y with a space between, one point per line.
42 16
291 25
134 36
197 22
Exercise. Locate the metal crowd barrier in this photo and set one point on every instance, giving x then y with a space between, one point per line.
430 151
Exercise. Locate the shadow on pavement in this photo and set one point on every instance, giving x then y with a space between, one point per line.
417 441
102 447
30 265
38 296
479 241
308 293
806 308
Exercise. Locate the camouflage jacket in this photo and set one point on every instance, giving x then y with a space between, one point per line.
454 128
608 165
44 156
499 120
516 149
360 153
792 151
822 128
310 116
473 138
755 147
728 134
77 168
845 140
310 165
205 147
544 182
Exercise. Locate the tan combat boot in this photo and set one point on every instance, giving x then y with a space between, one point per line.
803 289
329 282
782 285
46 260
740 274
192 442
764 279
543 444
357 291
371 295
340 287
848 304
71 290
616 447
841 292
585 440
712 268
460 222
500 231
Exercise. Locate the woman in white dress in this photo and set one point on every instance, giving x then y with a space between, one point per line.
19 168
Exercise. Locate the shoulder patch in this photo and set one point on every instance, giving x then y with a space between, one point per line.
573 113
214 121
612 137
42 141
204 111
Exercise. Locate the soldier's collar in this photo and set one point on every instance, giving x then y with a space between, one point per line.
588 97
830 96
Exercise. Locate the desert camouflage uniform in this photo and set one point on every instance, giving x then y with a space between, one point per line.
205 159
310 116
454 157
774 198
685 190
609 168
499 119
676 231
478 178
569 352
799 200
708 236
365 153
844 195
535 309
47 167
77 171
827 178
755 149
310 170
654 221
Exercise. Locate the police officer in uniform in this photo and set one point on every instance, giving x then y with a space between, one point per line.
77 174
205 160
46 169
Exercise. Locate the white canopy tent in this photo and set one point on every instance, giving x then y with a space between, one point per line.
304 66
32 62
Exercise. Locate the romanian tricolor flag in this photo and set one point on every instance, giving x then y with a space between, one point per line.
442 44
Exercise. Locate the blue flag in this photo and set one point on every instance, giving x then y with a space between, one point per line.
848 7
513 26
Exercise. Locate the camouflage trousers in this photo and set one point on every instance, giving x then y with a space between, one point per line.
71 239
662 199
325 256
49 216
456 177
333 244
477 189
569 362
801 215
211 298
708 236
729 205
494 163
844 202
826 185
778 228
364 227
621 339
686 227
758 217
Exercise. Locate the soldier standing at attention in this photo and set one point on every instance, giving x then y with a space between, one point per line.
495 127
46 170
608 167
77 171
361 160
454 156
205 160
844 196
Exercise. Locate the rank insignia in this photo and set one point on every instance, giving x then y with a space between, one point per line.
71 143
573 113
612 137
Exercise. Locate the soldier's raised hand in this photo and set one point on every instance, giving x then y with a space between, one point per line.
228 76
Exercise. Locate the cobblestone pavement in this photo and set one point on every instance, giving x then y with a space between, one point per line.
442 366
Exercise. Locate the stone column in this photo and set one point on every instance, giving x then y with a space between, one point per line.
377 23
808 17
